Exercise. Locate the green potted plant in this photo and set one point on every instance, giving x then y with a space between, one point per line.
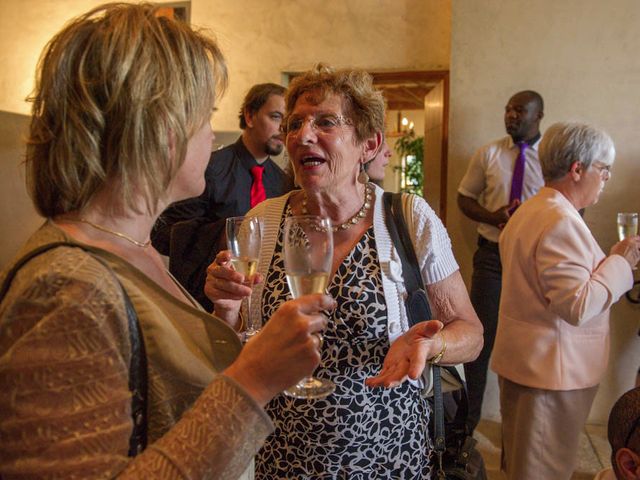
411 149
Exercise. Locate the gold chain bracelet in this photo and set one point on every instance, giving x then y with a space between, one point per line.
436 358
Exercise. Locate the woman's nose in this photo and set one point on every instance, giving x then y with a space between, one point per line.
307 132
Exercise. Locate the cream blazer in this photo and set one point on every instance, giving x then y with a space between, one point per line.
557 289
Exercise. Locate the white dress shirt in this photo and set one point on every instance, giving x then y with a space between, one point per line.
488 178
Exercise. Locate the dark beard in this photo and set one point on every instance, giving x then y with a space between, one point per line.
273 150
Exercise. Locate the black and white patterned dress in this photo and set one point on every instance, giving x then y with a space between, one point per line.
357 433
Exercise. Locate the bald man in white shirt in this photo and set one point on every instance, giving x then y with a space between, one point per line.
485 195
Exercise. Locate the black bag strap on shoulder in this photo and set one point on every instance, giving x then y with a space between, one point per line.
138 364
401 237
399 232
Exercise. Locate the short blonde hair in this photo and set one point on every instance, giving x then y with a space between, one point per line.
119 92
364 104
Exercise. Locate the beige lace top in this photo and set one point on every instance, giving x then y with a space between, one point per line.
64 356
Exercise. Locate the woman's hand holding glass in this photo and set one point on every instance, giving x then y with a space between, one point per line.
285 350
629 249
244 239
308 253
227 288
629 245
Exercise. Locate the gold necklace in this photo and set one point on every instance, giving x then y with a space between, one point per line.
360 214
117 234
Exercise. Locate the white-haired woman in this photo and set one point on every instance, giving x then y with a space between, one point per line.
552 343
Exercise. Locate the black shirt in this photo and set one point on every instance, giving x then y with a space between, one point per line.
191 232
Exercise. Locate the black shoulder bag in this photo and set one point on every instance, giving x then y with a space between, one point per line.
138 364
455 448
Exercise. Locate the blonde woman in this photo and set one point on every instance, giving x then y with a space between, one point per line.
120 130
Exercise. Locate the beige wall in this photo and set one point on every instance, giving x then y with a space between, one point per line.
17 215
582 56
261 39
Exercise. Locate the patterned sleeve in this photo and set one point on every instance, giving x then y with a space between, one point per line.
431 242
65 403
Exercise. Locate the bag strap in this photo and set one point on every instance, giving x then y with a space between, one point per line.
401 238
399 232
138 364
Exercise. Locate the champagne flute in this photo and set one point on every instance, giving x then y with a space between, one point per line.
244 238
627 225
308 254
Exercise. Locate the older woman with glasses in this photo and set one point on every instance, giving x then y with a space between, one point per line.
358 432
552 343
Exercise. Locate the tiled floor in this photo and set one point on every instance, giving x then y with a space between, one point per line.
593 455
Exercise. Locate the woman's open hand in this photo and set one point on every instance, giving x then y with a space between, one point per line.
285 350
408 355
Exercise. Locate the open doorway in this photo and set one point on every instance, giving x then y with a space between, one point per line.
418 101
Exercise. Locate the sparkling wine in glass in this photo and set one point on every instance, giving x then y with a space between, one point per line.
244 238
627 225
308 254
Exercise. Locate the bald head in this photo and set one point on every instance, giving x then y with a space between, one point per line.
523 114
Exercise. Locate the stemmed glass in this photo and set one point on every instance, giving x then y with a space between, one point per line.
244 238
627 226
308 254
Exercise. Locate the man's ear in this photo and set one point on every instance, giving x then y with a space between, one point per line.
371 147
628 463
248 118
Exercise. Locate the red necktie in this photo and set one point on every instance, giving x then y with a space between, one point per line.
257 187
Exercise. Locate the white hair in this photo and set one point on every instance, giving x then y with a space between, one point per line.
565 143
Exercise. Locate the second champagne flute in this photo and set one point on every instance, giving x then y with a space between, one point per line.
308 255
244 238
627 225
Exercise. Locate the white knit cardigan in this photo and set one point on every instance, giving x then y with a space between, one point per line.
429 237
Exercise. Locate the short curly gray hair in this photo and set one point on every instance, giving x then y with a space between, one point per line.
565 143
364 104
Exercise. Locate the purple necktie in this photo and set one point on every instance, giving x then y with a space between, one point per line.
518 174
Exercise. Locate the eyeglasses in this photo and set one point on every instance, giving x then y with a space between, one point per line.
324 123
603 170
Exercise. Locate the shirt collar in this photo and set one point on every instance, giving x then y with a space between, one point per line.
533 144
245 156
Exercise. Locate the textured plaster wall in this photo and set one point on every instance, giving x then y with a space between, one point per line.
581 55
